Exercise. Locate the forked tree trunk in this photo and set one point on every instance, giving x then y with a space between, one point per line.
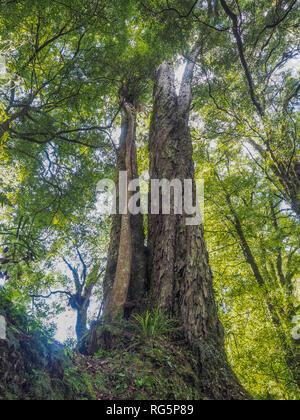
181 278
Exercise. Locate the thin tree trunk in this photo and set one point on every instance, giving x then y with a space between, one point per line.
81 323
181 278
289 178
291 352
288 173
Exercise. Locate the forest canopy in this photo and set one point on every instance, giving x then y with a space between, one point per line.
175 89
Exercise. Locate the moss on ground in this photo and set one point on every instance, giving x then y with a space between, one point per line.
153 370
32 365
35 367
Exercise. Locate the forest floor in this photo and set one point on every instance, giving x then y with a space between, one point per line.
35 367
152 370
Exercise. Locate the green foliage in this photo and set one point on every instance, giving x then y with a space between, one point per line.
60 112
17 313
148 371
32 365
100 354
154 324
79 383
243 209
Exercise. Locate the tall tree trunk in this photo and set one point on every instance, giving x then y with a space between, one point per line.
181 278
125 278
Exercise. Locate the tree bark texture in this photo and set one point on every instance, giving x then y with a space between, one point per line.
180 275
125 278
180 278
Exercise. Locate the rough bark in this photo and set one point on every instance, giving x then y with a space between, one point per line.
125 278
179 272
181 278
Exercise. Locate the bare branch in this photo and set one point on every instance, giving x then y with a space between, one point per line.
59 292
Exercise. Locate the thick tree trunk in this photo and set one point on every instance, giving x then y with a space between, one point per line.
180 276
125 278
181 279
